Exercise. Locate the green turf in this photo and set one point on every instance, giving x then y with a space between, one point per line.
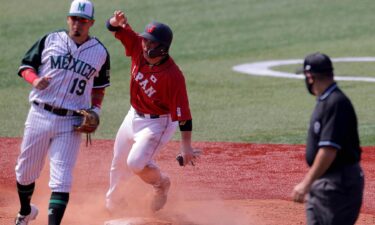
211 36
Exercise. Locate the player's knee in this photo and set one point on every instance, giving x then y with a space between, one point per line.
25 178
136 166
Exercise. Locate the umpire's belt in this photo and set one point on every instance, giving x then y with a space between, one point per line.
56 111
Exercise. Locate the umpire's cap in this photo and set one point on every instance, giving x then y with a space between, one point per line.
316 63
158 32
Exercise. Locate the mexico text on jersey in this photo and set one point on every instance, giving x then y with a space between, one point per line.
74 70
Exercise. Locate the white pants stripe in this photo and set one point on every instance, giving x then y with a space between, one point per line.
48 133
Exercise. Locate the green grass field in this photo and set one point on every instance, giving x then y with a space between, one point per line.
210 37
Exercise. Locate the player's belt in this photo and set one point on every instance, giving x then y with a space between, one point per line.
149 116
56 111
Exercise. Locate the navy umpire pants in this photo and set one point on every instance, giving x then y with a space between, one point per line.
336 197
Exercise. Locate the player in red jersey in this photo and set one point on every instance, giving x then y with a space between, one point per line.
159 103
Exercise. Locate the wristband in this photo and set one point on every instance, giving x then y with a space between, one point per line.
186 125
110 27
97 110
29 75
97 96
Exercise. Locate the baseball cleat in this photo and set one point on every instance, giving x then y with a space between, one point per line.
161 194
24 220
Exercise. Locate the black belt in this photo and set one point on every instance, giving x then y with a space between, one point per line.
150 116
57 111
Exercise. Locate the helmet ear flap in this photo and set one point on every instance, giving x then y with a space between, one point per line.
161 50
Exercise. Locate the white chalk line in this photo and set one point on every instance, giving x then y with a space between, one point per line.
263 68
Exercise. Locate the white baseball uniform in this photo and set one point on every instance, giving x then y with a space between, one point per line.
74 71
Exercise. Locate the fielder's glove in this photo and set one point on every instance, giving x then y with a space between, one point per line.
89 122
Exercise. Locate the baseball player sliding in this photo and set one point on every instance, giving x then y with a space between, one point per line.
68 71
159 103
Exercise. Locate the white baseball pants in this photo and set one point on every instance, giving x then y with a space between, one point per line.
137 142
46 132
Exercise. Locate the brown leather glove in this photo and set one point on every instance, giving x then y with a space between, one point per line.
89 122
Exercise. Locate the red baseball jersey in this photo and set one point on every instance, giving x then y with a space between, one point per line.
158 89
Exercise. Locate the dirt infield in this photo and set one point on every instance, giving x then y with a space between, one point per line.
232 184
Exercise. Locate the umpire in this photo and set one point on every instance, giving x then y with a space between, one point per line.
335 181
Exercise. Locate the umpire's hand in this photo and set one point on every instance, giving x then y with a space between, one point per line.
299 192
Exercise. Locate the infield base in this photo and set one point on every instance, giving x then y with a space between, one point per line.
137 221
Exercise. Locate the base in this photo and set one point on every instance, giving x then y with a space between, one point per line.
138 221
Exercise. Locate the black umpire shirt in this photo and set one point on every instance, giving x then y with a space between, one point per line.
334 124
